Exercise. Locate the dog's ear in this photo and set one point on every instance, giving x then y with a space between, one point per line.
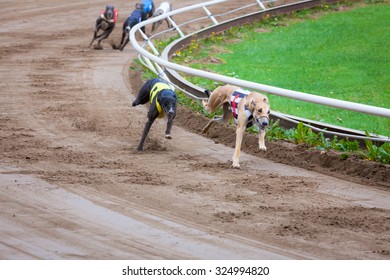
252 104
207 92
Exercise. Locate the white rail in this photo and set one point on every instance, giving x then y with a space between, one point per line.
159 62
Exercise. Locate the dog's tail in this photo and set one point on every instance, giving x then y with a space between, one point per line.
207 92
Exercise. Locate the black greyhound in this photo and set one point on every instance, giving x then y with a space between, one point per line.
163 100
135 17
106 22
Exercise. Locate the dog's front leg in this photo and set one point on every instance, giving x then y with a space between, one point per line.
169 128
239 135
262 146
168 23
152 116
97 27
93 38
125 42
153 27
123 38
144 134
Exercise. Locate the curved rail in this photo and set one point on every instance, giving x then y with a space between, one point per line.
155 61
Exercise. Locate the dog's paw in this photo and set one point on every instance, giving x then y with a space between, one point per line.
168 136
262 147
236 164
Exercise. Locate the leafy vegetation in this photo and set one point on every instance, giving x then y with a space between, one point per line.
305 135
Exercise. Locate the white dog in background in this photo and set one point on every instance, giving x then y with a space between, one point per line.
165 7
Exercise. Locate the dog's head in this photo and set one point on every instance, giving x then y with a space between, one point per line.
260 108
157 13
109 13
168 101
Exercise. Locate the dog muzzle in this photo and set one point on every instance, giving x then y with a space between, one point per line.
262 122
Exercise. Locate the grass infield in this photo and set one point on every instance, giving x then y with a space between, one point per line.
340 52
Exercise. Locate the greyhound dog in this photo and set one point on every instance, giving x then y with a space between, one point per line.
165 7
247 108
106 22
134 18
148 9
163 100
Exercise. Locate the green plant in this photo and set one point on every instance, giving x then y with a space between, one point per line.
375 153
303 134
275 132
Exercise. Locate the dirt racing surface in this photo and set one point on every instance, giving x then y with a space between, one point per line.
72 185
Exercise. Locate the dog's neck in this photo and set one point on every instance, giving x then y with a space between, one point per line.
106 19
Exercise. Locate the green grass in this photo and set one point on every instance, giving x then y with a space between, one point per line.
343 55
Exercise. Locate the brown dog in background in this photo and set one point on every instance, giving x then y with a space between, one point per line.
247 108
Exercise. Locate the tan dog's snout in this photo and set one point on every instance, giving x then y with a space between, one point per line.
262 114
264 121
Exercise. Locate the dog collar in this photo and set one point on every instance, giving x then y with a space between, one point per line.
110 20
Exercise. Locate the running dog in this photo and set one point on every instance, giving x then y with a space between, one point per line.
163 100
165 7
105 22
135 17
247 108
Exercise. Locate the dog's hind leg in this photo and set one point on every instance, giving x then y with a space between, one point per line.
143 94
227 114
215 119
